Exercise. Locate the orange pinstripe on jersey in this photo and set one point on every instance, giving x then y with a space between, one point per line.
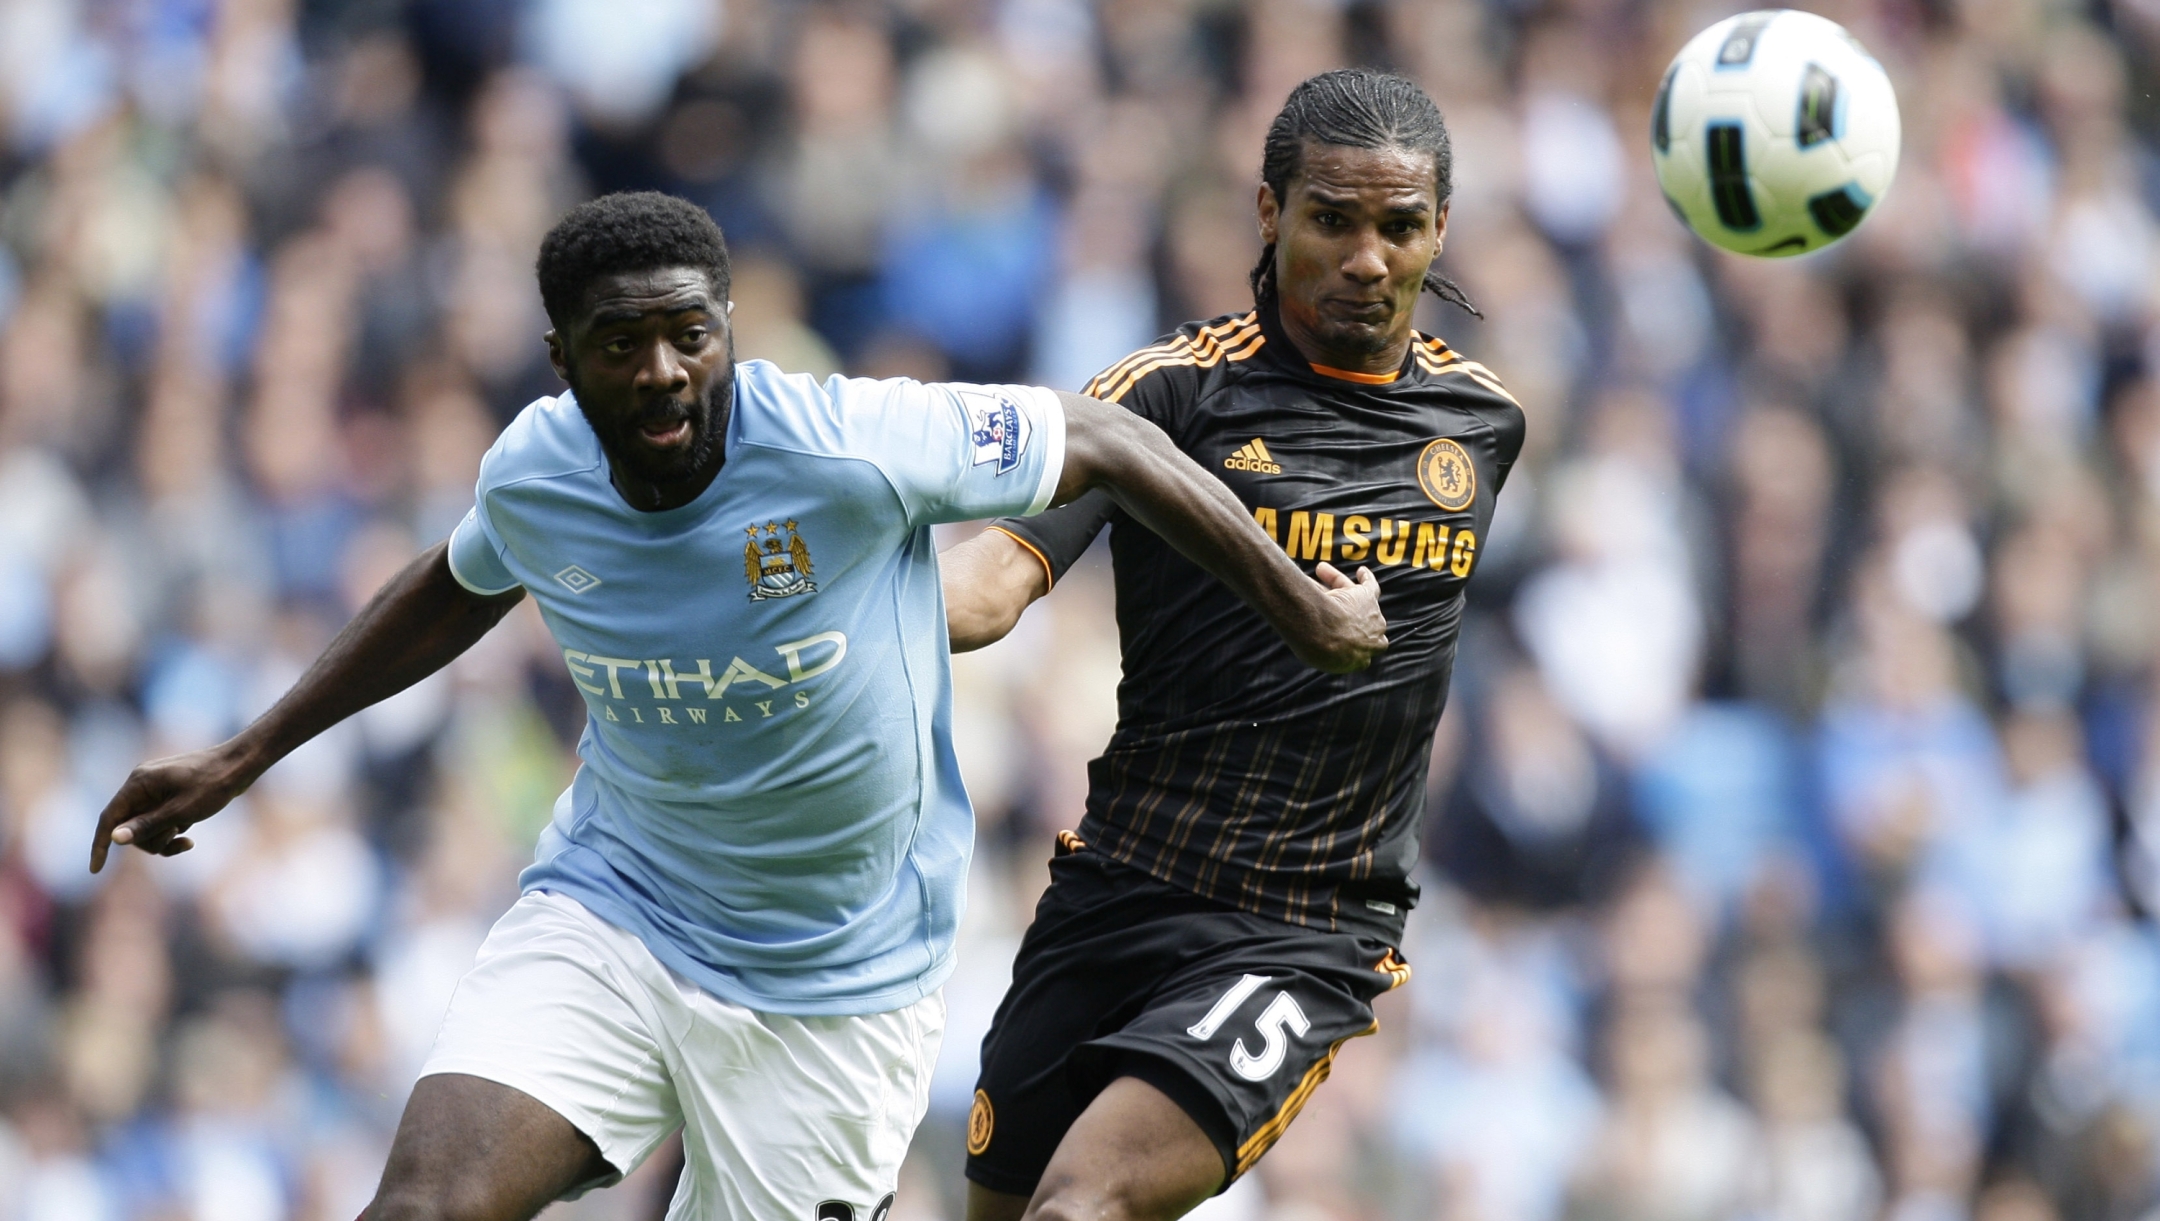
1236 339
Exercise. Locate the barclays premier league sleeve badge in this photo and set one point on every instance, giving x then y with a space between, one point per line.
997 428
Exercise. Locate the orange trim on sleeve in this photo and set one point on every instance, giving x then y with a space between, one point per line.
1049 574
1366 379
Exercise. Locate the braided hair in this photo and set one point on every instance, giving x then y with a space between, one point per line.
1356 108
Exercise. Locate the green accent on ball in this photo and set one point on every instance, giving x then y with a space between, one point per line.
1729 189
1818 107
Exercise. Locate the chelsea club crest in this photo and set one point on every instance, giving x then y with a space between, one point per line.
777 567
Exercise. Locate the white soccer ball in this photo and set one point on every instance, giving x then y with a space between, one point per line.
1775 133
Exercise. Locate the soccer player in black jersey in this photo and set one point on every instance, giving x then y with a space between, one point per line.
1231 904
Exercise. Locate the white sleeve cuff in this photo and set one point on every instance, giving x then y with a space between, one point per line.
450 555
1053 443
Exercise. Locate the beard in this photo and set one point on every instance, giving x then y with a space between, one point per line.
1362 338
620 437
1351 334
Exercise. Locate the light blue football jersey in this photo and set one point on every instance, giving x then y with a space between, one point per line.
769 797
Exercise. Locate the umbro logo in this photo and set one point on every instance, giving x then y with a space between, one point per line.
576 579
1253 456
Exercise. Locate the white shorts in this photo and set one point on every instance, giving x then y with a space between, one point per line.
782 1117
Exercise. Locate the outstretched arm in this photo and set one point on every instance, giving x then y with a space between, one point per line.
415 625
1333 624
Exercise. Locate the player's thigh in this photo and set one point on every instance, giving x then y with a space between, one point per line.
571 1013
469 1149
1100 943
1133 1155
1241 1041
800 1117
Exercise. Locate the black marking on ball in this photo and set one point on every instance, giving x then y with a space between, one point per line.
1817 118
1839 212
1729 189
1661 115
1739 45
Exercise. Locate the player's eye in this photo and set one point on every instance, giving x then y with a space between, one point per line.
618 346
694 335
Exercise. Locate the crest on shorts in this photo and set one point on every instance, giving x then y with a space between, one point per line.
777 562
1446 473
980 1121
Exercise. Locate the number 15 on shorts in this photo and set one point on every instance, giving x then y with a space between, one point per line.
1277 1024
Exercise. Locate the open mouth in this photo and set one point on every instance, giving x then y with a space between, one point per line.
665 433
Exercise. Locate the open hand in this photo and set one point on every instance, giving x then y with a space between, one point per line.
163 798
1353 631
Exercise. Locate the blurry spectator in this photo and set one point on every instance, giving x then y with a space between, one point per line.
620 63
772 326
1718 795
1539 817
1934 1079
1818 1165
1493 1105
1906 759
1780 541
1616 625
1673 1146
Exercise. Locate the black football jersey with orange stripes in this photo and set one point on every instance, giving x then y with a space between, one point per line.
1236 770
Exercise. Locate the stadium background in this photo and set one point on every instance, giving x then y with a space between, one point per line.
1799 805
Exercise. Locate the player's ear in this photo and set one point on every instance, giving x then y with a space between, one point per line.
556 356
1270 210
1439 231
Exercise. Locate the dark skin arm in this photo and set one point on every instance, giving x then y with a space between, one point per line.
991 578
1334 626
415 625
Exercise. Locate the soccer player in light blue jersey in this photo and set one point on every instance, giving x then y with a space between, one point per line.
739 919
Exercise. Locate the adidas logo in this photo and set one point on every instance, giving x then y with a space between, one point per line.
1253 456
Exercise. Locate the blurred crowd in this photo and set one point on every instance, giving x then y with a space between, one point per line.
1794 832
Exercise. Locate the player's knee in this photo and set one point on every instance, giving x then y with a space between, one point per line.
1067 1206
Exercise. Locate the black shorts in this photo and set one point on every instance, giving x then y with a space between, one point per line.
1235 1016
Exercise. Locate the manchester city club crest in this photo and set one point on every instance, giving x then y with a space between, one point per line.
1445 472
777 562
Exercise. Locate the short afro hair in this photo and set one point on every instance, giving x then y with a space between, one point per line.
626 231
